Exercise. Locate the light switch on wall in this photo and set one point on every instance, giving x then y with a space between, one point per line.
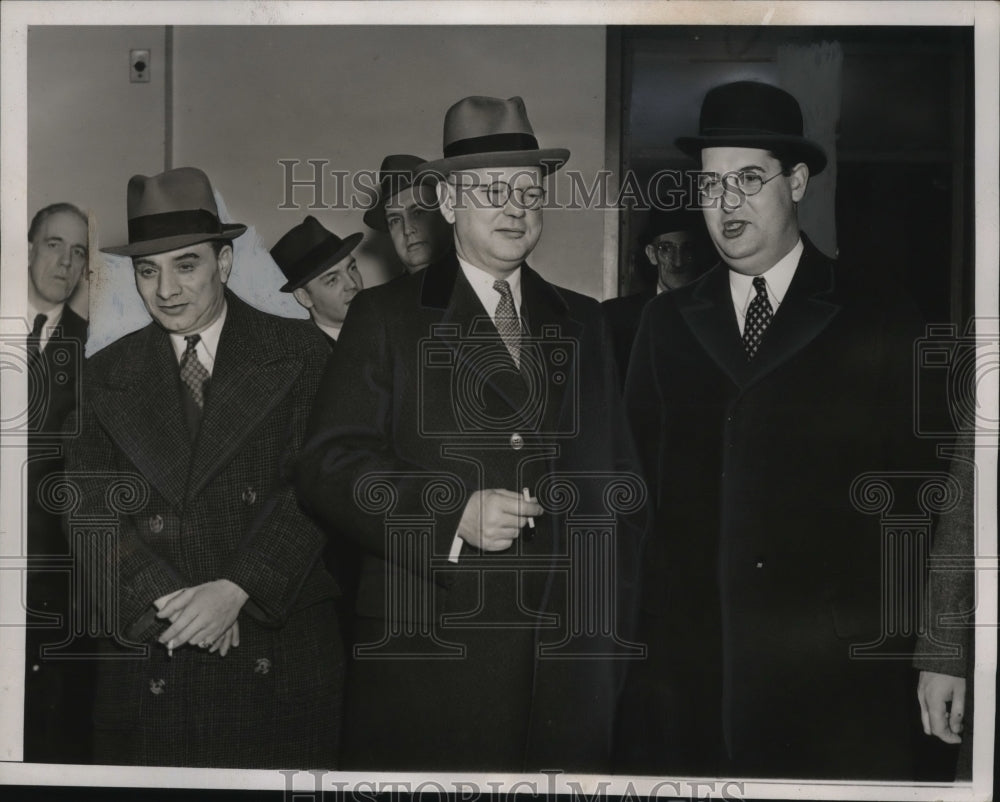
138 66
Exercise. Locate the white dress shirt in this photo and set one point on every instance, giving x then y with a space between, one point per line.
53 318
482 284
333 332
778 279
207 346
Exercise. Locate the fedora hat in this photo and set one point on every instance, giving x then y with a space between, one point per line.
307 250
671 221
491 132
750 114
396 174
172 210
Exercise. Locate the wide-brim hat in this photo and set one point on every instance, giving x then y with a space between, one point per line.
307 250
172 210
396 174
750 114
491 132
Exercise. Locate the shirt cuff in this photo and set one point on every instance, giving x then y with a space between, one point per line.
456 549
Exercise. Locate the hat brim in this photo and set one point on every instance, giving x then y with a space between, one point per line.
346 246
799 147
229 231
547 159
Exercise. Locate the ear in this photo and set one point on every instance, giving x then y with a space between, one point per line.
651 255
301 294
446 199
225 262
798 180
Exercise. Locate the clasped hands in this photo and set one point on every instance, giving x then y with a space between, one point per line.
203 615
493 519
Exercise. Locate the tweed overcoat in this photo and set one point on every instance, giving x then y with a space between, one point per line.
219 507
420 406
762 570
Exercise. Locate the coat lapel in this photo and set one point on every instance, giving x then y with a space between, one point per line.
138 404
805 311
252 374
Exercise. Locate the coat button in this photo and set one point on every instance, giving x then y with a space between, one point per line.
156 524
157 686
262 666
516 441
249 496
759 564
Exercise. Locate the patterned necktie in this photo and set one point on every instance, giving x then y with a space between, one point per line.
35 338
506 321
193 373
759 315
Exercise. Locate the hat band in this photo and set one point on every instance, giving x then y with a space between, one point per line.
314 258
743 131
171 224
489 144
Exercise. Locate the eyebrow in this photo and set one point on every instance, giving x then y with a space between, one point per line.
188 255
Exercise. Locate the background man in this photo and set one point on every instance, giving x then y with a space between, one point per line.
215 567
672 246
321 272
409 213
57 693
452 393
757 396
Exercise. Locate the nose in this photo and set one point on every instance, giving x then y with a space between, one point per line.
409 225
65 256
514 207
166 285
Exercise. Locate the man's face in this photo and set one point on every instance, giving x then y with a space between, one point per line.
419 233
673 256
753 233
494 238
57 257
183 290
329 294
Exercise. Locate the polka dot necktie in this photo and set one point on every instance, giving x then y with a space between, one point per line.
507 322
193 373
759 315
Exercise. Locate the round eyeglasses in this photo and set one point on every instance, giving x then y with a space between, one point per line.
499 192
746 183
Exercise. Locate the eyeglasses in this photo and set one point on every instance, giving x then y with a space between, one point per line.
747 183
499 192
671 250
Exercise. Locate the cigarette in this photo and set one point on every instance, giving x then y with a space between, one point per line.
170 649
527 497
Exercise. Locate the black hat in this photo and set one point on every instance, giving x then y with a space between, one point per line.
395 175
750 114
172 210
309 249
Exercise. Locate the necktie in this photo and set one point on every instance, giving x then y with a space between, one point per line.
759 315
35 338
193 373
507 322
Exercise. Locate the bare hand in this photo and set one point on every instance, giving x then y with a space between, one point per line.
934 691
202 614
493 519
230 639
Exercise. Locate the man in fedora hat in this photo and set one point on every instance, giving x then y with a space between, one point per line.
223 647
409 213
321 273
671 246
758 396
455 398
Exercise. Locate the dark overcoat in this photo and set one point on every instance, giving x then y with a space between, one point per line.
220 507
623 317
763 570
420 406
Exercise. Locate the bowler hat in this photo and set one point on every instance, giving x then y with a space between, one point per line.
750 114
669 222
395 175
172 210
491 132
307 250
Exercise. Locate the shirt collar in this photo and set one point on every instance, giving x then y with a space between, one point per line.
333 332
778 279
52 317
482 284
209 339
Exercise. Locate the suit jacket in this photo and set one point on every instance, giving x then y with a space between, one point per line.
763 570
187 513
623 317
420 406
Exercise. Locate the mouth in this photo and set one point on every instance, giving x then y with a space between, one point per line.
511 233
173 310
733 228
414 245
